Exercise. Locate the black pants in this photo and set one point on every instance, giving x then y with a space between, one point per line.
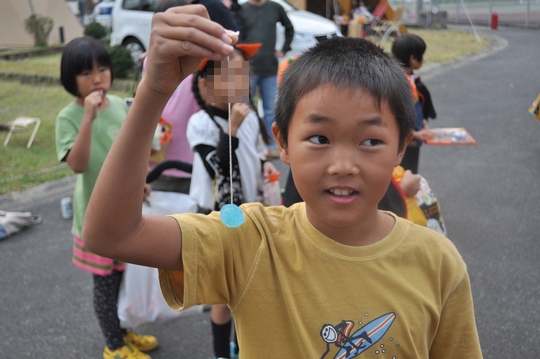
106 290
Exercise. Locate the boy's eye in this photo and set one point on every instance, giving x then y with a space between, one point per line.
320 140
104 69
371 142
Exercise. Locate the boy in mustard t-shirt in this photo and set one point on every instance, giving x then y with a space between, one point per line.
332 277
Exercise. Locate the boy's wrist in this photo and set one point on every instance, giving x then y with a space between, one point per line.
153 93
151 98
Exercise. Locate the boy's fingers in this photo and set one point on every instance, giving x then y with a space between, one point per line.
232 35
195 33
200 11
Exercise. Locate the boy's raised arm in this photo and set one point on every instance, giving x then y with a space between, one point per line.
114 226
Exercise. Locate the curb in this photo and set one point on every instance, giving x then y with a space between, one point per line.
44 193
496 43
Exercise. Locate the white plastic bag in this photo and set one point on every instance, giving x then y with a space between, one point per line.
140 300
162 203
14 222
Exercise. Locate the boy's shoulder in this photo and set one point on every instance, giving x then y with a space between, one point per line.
425 244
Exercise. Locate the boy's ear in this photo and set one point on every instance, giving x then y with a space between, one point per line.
404 148
282 146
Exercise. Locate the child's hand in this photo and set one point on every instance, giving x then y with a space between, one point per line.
92 103
239 111
410 183
181 37
146 193
421 135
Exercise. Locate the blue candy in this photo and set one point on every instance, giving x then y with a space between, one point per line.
232 216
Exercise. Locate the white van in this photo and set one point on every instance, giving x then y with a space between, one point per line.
131 24
102 13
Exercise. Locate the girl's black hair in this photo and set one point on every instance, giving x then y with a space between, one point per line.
406 45
78 56
196 93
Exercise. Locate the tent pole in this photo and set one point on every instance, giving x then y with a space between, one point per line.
528 11
328 9
470 21
31 7
490 12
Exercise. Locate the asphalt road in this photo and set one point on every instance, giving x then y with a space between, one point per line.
490 203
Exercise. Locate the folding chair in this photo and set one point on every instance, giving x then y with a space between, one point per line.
378 12
385 28
23 123
377 15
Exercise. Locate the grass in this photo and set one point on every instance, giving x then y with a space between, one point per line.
22 168
17 161
448 45
43 65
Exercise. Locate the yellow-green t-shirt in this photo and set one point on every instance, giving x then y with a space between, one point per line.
296 293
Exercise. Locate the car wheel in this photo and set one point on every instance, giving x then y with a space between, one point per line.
135 47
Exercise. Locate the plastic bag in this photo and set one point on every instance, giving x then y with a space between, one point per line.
424 208
14 222
163 203
140 300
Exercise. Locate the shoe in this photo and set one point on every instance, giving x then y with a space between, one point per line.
126 352
142 342
272 154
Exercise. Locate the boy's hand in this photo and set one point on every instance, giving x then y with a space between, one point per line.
181 37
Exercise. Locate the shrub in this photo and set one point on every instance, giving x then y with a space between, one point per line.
95 30
40 27
121 60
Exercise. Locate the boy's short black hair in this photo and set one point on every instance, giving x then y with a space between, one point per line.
406 45
78 56
348 63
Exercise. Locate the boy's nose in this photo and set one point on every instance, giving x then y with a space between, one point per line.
343 162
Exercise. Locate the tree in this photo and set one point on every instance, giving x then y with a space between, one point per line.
40 27
96 30
121 60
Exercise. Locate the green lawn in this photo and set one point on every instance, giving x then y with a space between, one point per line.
448 45
43 65
16 160
21 168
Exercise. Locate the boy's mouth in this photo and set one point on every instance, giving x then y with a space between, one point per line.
341 192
